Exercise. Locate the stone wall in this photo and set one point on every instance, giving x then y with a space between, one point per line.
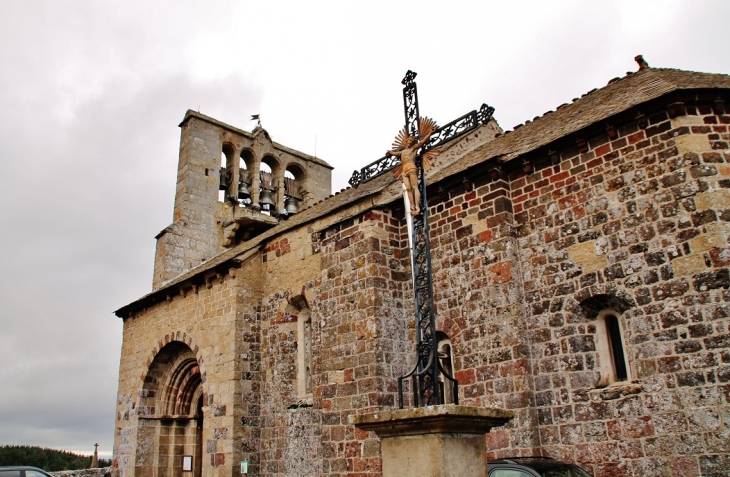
193 236
97 472
364 335
217 322
479 299
640 219
360 343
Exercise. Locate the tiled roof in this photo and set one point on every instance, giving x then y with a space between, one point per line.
598 105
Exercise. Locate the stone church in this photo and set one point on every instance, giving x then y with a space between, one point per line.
581 280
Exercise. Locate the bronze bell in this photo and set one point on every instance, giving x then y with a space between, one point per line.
243 192
265 200
290 205
225 179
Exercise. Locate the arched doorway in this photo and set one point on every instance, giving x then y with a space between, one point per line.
170 425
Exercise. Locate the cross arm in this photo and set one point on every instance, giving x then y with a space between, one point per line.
374 169
459 127
442 135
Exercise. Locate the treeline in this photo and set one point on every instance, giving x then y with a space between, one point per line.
50 460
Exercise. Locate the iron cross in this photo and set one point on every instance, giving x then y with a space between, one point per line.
426 386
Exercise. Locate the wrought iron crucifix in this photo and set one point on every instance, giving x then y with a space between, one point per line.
420 139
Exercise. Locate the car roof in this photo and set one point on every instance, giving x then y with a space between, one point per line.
20 467
536 463
523 460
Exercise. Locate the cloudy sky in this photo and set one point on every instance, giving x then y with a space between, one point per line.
91 94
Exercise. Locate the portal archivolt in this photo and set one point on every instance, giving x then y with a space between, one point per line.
171 414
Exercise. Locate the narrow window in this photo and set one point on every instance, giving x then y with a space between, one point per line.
617 348
447 367
308 355
304 353
610 348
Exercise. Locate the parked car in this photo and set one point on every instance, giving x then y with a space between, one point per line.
533 467
22 471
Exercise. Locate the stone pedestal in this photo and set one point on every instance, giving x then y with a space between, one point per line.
434 441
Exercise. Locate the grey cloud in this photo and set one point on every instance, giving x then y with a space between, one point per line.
84 203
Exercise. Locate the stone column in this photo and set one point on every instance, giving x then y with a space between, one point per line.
434 441
278 185
255 175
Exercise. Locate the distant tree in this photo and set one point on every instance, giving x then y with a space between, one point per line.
50 460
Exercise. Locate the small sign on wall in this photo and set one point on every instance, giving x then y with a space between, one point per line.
187 465
244 466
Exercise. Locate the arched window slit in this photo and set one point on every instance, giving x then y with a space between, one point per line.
613 363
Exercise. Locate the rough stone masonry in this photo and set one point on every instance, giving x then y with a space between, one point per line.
581 280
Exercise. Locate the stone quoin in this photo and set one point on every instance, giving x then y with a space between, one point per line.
581 281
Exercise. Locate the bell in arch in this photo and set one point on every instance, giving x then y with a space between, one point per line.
225 179
243 192
291 205
265 199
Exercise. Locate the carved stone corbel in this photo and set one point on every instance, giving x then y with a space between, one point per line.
229 233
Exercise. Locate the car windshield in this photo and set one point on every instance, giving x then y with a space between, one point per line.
561 470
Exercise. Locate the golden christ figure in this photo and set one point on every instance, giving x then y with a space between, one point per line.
406 147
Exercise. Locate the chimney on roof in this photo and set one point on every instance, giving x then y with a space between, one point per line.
642 63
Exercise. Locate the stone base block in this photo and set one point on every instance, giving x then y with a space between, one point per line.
434 441
437 455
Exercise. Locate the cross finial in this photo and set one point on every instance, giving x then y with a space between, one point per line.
485 113
408 78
